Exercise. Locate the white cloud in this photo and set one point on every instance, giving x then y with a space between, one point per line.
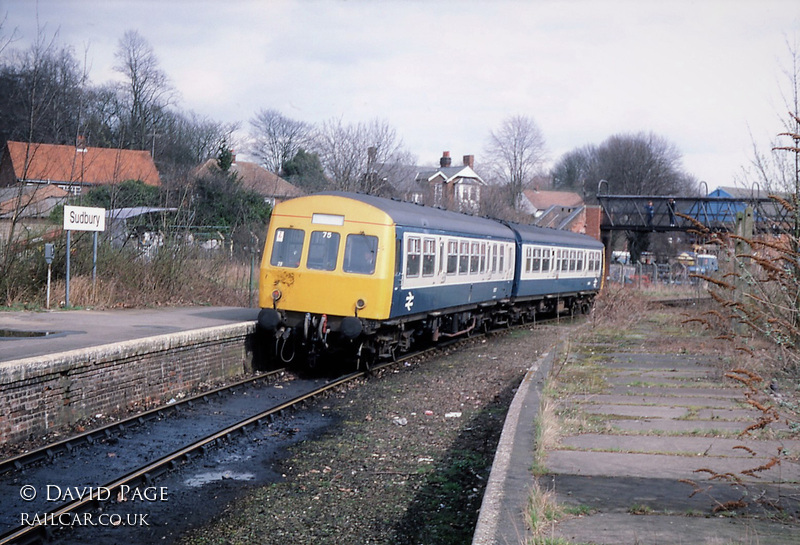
700 73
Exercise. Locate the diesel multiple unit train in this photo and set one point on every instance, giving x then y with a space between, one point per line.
368 277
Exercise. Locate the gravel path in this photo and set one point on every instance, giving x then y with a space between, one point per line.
407 460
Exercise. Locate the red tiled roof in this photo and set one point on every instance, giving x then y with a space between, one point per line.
67 164
264 182
543 200
256 178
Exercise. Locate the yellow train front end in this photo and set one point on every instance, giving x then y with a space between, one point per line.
328 266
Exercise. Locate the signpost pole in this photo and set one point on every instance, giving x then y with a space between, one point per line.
82 218
49 253
69 248
94 268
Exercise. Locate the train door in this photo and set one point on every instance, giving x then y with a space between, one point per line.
441 265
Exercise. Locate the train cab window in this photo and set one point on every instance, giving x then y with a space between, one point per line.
287 247
452 257
463 257
428 257
360 252
412 257
323 250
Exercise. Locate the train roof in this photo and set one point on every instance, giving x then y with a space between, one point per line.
542 235
409 214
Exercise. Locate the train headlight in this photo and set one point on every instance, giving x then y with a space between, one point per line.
276 294
360 304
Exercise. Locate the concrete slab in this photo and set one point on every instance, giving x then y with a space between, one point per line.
666 401
632 379
653 495
687 390
695 427
664 466
636 411
625 529
691 446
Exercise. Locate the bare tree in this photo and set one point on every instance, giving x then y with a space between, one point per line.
638 164
362 157
277 138
146 92
6 39
516 151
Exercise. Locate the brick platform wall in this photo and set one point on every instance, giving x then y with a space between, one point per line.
42 393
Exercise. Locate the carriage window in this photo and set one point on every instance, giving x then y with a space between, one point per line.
494 258
463 258
474 258
452 257
501 265
581 255
546 260
428 257
323 250
483 257
572 260
287 247
537 260
564 260
528 259
413 256
360 252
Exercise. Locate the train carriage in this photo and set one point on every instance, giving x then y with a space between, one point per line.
556 268
370 276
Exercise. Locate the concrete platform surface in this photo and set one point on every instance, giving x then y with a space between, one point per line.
665 466
28 334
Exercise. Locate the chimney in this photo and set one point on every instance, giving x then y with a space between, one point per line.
445 161
80 144
469 161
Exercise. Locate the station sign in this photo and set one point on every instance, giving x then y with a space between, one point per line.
84 218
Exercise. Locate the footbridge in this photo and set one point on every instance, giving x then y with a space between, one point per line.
659 213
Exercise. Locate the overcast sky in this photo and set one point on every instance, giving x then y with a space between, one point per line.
704 74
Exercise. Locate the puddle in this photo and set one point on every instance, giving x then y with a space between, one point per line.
15 334
213 476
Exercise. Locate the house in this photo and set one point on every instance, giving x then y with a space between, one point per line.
74 168
28 208
256 178
561 210
452 187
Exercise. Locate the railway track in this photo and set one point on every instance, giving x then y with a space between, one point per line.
52 450
43 526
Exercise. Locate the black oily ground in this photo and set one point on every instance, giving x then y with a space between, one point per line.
403 458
